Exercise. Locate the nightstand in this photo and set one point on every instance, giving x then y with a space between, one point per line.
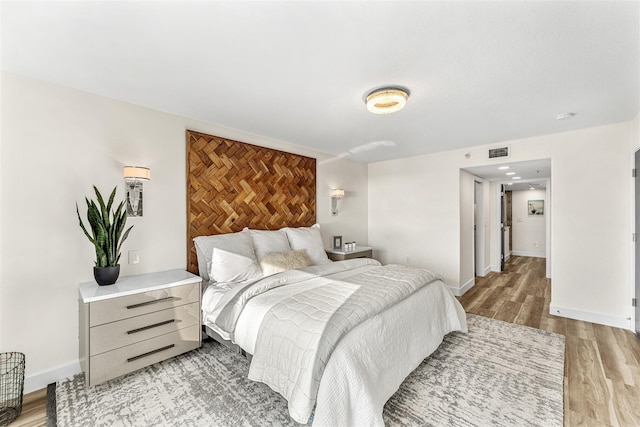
136 322
358 252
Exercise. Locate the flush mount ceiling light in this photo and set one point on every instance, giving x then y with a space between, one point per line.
387 100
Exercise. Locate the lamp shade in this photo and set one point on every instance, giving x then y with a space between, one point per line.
338 192
137 172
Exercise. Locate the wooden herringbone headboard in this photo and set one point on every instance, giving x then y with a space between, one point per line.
232 185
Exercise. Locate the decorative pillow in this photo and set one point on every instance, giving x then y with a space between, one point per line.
267 241
237 243
277 262
308 238
230 267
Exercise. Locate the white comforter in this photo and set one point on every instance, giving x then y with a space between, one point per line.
371 361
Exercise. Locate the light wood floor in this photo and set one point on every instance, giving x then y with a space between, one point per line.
34 410
602 364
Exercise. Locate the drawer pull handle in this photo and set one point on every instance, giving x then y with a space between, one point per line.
155 325
155 301
167 347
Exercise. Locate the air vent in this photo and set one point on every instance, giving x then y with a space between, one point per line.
499 152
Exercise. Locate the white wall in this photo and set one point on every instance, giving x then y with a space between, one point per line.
487 206
481 236
414 213
1 235
420 217
528 231
467 250
55 144
350 223
635 139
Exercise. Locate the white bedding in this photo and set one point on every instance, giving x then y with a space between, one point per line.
371 361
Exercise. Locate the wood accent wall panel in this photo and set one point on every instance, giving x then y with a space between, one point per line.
232 185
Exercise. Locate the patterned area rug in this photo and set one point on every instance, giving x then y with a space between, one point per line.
499 374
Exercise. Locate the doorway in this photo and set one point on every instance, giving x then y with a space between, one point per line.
525 222
521 177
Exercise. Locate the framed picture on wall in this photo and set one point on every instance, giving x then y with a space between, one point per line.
337 242
536 207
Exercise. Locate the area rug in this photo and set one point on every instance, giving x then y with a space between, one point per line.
499 374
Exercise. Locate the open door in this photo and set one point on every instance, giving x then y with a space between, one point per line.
637 244
502 220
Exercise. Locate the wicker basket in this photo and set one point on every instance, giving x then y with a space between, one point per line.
11 386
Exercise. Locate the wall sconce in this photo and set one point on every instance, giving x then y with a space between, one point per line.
336 195
133 177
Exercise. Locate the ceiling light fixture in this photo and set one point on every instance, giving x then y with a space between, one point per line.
510 173
516 177
386 100
503 167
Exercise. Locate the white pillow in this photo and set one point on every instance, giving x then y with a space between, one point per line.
237 243
308 238
276 262
267 241
230 267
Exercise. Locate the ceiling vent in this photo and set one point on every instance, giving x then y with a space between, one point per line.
499 152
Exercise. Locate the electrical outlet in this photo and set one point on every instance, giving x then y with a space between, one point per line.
134 257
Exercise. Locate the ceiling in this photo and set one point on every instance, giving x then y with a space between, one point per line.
478 72
522 175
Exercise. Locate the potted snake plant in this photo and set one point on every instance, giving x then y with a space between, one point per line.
107 235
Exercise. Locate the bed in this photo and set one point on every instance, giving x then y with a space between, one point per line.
336 339
250 235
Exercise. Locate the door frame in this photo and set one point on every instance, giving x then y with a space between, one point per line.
635 290
480 229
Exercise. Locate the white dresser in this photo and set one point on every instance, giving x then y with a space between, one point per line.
138 321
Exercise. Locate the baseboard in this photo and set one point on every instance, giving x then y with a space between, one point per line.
484 271
531 254
586 316
41 379
464 288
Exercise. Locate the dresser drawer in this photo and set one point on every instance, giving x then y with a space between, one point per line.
127 359
124 332
128 306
